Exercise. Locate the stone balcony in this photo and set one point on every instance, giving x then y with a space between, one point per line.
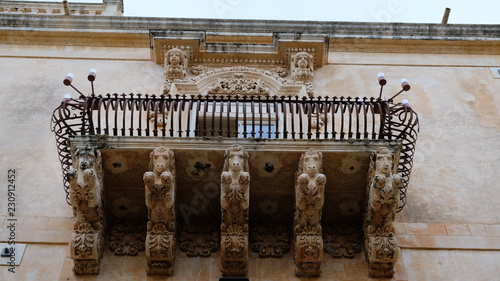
276 133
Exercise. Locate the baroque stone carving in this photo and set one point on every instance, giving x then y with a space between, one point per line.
198 69
342 241
238 85
127 238
160 197
309 200
302 66
270 240
309 191
86 198
199 241
235 181
175 64
383 195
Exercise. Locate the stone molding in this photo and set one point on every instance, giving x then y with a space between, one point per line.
348 36
107 8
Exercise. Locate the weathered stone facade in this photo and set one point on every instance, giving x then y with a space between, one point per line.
453 81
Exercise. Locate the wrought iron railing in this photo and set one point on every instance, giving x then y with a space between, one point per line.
266 117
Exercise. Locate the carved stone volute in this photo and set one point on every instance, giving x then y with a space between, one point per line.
383 197
309 201
160 199
235 181
86 198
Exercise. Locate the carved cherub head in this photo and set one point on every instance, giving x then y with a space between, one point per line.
384 161
311 162
302 60
161 160
175 58
236 159
86 158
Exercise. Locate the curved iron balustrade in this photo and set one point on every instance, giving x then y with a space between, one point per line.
279 117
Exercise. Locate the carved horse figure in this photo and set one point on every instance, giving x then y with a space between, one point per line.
235 181
159 188
309 191
85 184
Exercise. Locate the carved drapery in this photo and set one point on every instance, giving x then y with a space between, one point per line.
160 197
235 181
383 198
309 200
86 193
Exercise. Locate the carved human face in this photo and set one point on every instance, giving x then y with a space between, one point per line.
175 58
302 61
384 163
160 161
311 163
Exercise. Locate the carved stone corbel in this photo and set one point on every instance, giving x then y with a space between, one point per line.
235 181
309 200
160 198
383 195
86 197
302 67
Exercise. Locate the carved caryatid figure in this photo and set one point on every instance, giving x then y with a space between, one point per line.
85 183
383 198
309 191
175 64
301 67
160 198
309 200
235 181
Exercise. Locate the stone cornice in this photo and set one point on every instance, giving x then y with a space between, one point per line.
343 32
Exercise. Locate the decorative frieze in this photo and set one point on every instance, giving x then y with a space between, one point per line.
309 200
86 198
160 198
238 85
127 238
235 181
383 198
199 240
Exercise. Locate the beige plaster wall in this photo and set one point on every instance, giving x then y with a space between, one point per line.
454 179
31 88
457 156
